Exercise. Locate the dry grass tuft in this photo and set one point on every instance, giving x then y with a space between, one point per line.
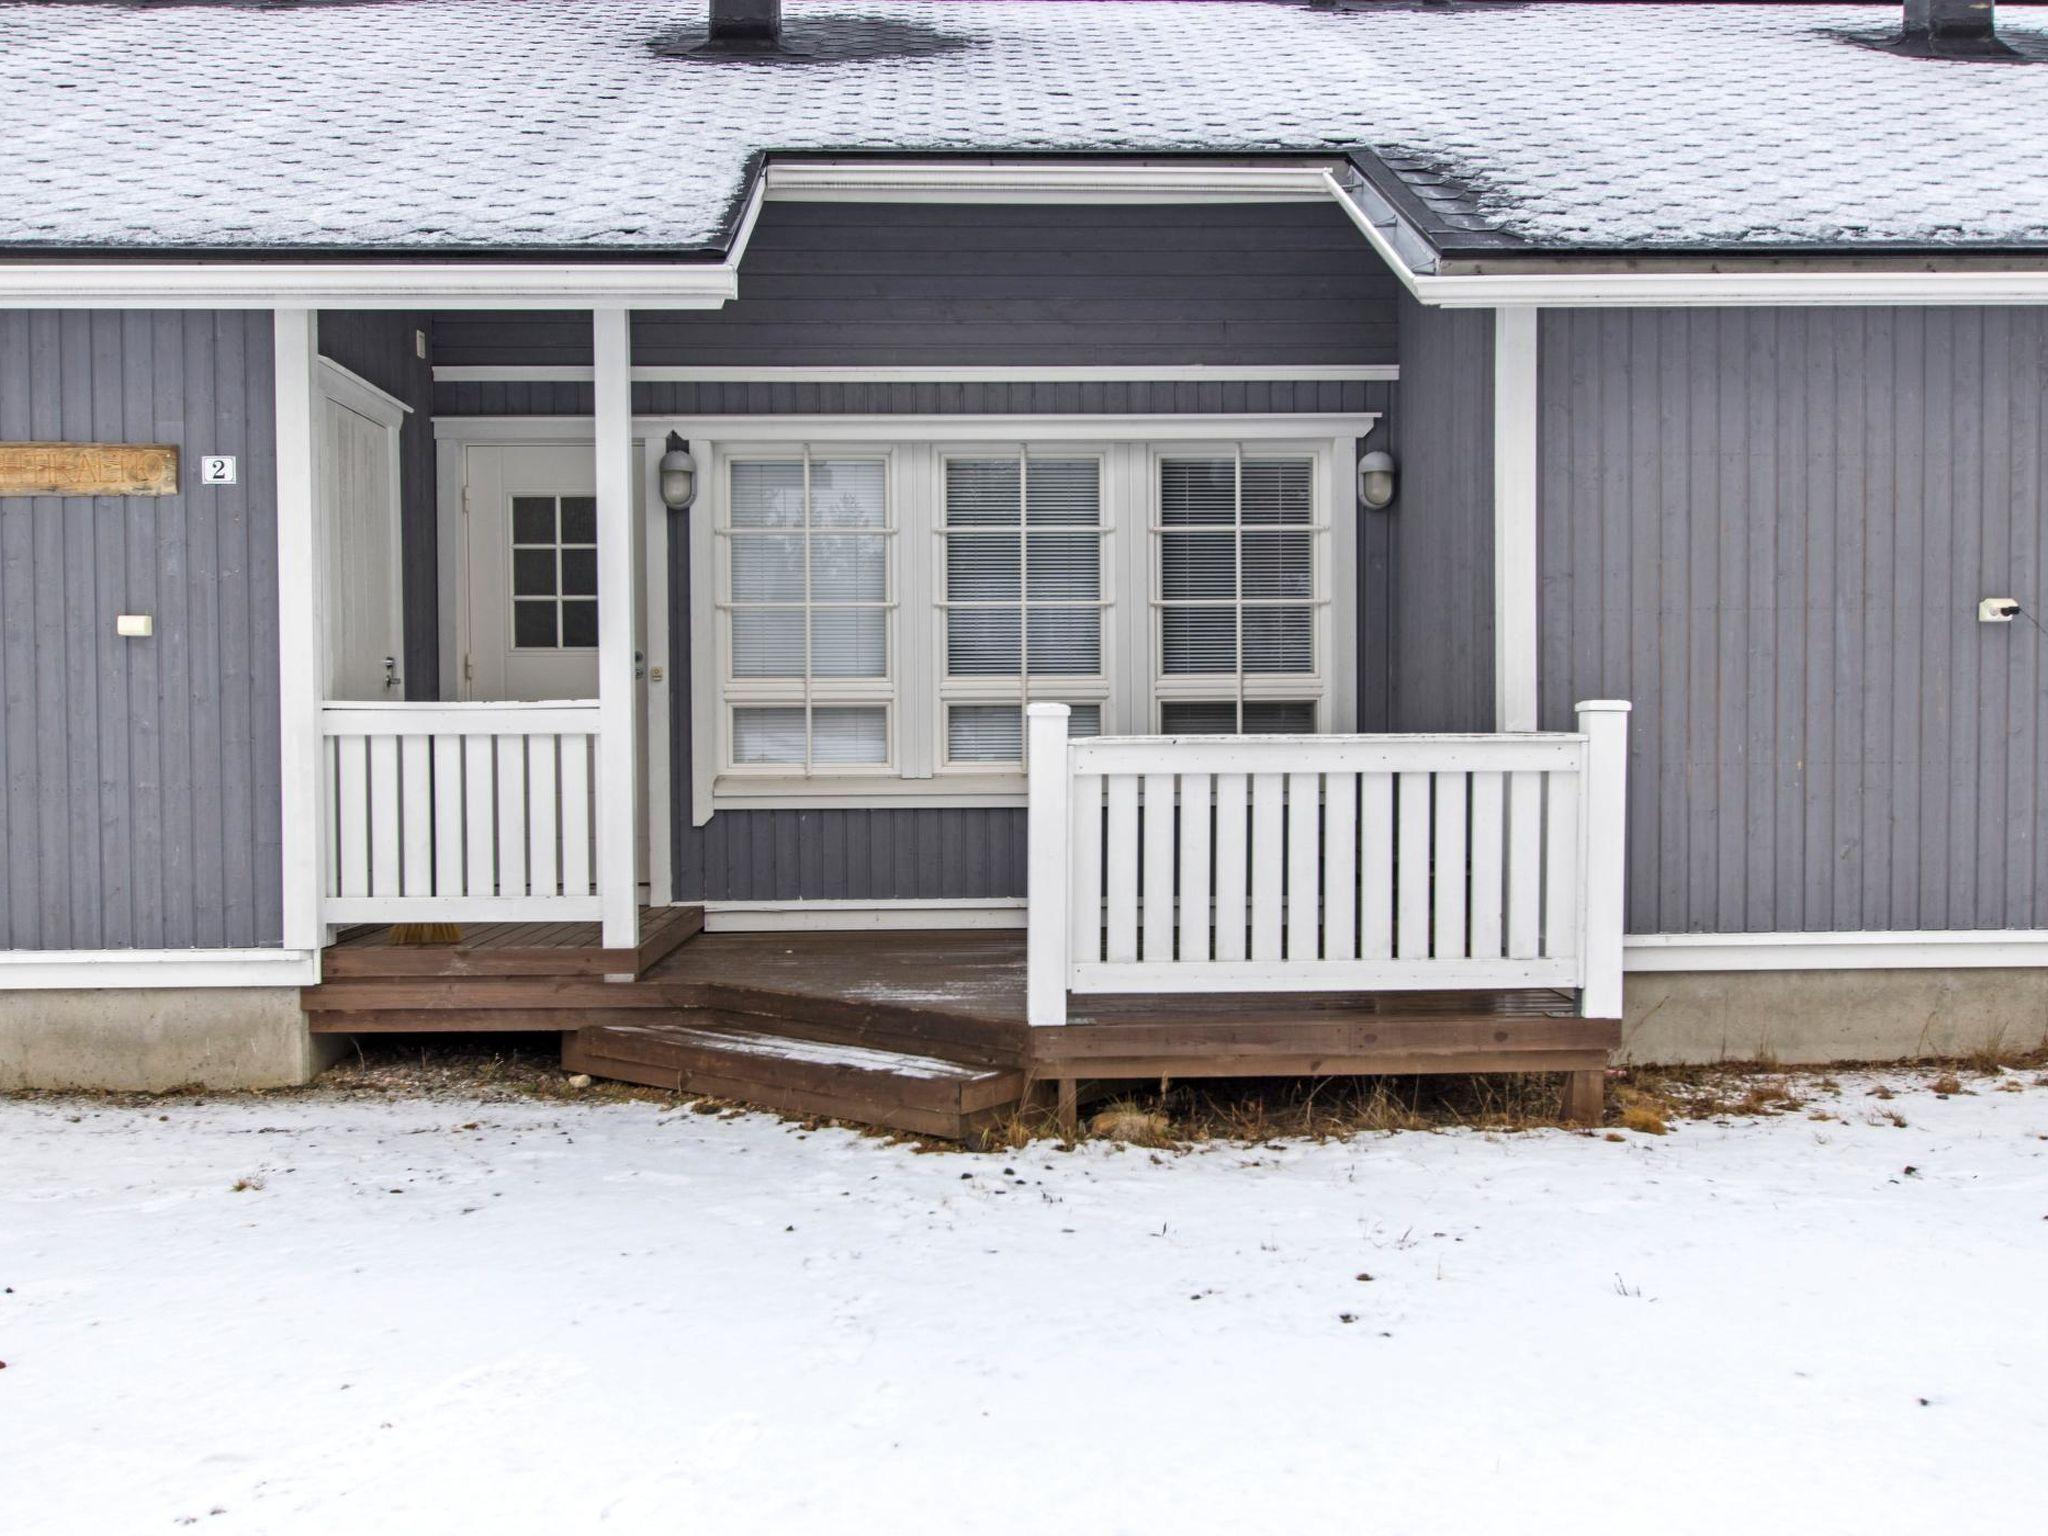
247 1182
1133 1124
1948 1085
1641 1117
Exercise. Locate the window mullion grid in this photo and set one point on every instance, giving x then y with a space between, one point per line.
1237 564
808 724
1023 601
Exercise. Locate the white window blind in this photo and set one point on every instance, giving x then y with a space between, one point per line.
807 600
1238 594
1022 536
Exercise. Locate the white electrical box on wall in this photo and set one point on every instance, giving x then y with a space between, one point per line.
134 626
1997 610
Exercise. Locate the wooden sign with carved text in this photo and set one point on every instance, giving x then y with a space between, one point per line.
88 469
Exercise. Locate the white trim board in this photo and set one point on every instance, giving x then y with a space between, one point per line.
1931 950
99 970
845 915
890 427
1184 373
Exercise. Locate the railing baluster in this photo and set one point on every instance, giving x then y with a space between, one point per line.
576 815
1525 865
352 797
1376 866
1123 868
1194 867
1489 798
1411 870
1340 866
1084 913
1304 875
416 813
1267 855
1231 865
1449 864
384 825
1158 853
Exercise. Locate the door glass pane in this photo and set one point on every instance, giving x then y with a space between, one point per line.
533 520
533 625
554 553
579 623
533 573
579 519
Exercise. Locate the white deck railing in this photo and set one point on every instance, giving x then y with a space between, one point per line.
459 812
1326 863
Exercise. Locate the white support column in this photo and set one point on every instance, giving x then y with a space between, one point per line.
301 630
1603 822
617 746
1514 519
1048 845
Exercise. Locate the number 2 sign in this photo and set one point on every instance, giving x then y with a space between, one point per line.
217 469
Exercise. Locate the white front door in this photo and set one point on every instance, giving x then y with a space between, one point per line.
527 619
358 485
530 574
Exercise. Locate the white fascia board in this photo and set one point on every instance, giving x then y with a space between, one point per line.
448 284
1182 373
93 970
1693 290
1011 180
1974 949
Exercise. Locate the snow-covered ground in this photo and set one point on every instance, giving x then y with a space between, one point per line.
435 1316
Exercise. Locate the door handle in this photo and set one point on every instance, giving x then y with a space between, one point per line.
391 677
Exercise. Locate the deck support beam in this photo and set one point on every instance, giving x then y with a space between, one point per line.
617 745
1585 1096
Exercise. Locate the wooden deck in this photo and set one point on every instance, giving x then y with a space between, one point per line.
925 1032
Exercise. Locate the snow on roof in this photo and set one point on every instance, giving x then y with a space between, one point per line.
549 123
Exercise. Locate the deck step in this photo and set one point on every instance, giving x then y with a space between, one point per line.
747 1059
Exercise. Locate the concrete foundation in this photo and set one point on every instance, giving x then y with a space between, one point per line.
1814 1017
154 1039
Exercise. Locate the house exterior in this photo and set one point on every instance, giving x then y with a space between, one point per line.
615 473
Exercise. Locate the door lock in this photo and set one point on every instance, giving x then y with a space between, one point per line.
391 677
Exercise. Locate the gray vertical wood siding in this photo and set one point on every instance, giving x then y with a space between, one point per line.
1441 524
1770 530
139 799
877 285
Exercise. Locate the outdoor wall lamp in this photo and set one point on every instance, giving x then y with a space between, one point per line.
1375 480
678 475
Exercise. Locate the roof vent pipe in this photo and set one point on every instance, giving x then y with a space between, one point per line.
749 21
1952 29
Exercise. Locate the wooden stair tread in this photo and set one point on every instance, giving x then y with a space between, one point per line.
737 1040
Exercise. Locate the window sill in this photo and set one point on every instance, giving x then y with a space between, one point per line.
742 792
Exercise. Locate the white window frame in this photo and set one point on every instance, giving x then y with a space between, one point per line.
1316 686
917 447
809 692
1098 689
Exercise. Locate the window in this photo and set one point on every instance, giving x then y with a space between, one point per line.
554 573
878 614
1023 606
807 604
1239 594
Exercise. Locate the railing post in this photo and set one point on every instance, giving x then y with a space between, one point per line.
1603 821
618 752
1050 876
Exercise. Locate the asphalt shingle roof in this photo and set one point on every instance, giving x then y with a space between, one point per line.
423 124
